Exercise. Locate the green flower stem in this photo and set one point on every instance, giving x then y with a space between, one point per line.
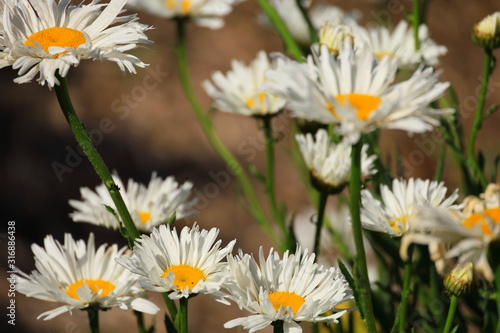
438 174
140 323
278 326
497 283
93 315
361 270
405 292
416 21
291 45
489 63
172 308
451 313
313 35
323 197
268 133
206 124
95 159
182 315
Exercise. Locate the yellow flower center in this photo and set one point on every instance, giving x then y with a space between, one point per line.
394 224
185 276
257 98
364 104
144 216
380 55
56 36
484 220
285 299
95 286
185 5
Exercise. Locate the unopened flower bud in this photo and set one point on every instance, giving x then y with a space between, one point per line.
333 35
487 32
459 280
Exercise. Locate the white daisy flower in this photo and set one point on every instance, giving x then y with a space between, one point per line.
330 163
238 91
206 13
319 14
357 92
182 265
293 289
392 215
48 37
149 206
469 231
400 43
80 276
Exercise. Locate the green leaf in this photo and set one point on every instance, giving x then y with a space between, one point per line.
352 284
257 174
172 219
170 325
492 109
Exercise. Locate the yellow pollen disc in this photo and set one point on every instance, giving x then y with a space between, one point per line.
285 299
394 225
144 216
473 220
56 36
185 7
95 285
380 55
483 219
170 4
364 104
259 97
185 276
250 102
494 214
330 108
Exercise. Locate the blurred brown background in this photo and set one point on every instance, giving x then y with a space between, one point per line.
156 130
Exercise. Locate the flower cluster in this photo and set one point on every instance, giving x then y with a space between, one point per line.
469 231
292 289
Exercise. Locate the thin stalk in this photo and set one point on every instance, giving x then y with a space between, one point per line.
497 282
313 35
363 282
451 313
416 20
291 45
206 124
323 197
140 322
95 159
438 175
270 191
478 118
182 315
93 315
405 292
278 326
172 308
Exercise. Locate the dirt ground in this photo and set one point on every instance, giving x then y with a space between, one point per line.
159 132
